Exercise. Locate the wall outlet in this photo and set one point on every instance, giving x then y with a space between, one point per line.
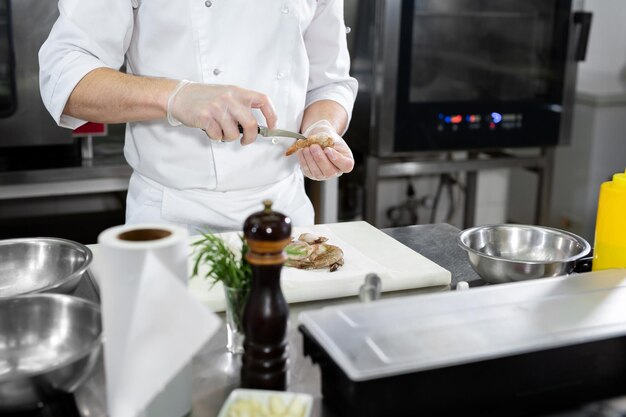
570 223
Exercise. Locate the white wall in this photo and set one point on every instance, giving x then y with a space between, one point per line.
607 44
392 194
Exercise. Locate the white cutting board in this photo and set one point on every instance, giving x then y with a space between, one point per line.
366 249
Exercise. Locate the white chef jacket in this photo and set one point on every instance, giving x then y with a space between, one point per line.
292 50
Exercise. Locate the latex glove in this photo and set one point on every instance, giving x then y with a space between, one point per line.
218 109
320 164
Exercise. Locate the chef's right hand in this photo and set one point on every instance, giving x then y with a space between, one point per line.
218 109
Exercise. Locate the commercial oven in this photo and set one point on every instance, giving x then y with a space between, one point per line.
24 121
439 75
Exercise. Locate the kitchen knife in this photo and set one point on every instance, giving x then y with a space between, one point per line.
269 133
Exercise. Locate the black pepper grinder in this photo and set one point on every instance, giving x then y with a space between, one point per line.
264 361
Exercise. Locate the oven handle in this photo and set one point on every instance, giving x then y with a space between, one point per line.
584 20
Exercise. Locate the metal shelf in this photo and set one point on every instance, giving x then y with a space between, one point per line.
377 168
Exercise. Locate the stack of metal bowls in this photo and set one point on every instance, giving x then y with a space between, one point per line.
35 265
49 343
511 252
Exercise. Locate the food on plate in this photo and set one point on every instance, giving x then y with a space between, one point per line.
310 251
275 407
322 139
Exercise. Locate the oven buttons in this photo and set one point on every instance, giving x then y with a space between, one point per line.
490 121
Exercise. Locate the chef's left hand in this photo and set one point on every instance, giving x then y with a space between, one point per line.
320 164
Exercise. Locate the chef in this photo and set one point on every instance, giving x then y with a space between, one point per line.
194 71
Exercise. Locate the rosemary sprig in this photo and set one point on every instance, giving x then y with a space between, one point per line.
224 266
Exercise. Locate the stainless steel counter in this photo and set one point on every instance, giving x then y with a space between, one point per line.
216 373
106 172
51 191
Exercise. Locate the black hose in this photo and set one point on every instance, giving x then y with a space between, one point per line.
433 211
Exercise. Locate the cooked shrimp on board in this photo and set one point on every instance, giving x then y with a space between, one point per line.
310 251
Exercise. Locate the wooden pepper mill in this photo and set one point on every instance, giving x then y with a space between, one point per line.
264 362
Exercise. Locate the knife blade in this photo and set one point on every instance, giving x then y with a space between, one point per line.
267 132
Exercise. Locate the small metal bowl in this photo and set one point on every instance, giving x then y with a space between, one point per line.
34 265
49 344
511 252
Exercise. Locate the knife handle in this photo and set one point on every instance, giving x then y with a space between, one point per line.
240 127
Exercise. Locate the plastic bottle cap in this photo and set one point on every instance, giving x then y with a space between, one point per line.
619 180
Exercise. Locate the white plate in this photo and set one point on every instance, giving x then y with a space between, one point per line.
263 397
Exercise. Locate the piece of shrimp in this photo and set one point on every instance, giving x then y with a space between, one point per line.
322 139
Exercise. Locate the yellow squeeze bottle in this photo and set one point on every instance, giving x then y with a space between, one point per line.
610 238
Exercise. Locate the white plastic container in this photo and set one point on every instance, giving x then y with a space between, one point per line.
549 342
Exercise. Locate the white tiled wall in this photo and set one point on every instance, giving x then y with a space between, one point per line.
491 199
491 196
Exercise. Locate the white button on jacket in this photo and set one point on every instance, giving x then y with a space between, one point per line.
292 50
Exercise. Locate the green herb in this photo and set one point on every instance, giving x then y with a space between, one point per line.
233 271
293 250
224 266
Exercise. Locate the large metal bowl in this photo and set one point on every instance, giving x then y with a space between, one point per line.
34 265
511 252
48 344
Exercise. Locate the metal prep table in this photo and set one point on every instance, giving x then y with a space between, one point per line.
541 162
105 171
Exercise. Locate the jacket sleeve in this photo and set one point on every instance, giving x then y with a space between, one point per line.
329 60
88 34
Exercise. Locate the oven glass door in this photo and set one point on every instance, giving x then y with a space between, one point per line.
7 62
480 73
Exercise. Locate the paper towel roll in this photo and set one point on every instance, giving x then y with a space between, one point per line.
152 327
128 246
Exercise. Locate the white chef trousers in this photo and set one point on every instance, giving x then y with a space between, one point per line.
216 211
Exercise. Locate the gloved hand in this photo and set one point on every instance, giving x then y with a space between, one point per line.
218 109
320 164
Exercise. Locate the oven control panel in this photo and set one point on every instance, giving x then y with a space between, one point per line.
492 121
447 126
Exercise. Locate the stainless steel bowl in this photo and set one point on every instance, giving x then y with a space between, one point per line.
48 344
34 265
510 252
